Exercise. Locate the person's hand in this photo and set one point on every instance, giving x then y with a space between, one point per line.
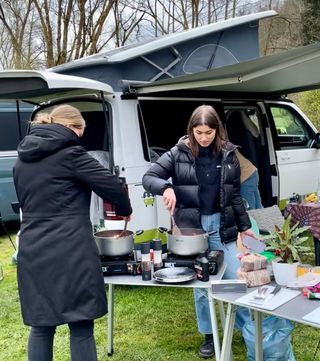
128 218
169 200
249 233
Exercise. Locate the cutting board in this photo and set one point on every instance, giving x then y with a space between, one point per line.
271 302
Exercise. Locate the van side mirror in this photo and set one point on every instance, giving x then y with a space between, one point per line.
317 140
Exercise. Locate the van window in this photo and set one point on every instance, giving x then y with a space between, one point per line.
9 126
164 122
292 132
96 134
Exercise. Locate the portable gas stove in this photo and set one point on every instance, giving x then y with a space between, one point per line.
120 265
215 259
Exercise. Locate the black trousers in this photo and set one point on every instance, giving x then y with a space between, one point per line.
82 343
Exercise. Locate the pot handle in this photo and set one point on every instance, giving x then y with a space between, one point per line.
210 233
138 232
163 230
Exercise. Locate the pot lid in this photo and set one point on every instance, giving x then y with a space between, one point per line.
174 275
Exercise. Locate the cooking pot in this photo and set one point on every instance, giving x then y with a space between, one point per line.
115 242
190 241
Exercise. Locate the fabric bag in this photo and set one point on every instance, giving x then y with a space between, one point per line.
276 339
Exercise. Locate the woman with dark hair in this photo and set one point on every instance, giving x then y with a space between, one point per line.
204 193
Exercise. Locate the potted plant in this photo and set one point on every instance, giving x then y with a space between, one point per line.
287 243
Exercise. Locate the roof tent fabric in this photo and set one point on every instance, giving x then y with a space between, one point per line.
188 52
287 72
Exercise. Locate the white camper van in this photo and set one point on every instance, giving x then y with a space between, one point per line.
133 122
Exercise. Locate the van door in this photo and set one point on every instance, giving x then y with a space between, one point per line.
42 87
298 158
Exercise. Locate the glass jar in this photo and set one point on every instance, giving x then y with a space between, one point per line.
303 269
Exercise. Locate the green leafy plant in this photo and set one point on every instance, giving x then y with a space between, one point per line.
287 242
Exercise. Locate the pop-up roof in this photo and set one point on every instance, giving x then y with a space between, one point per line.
287 72
186 52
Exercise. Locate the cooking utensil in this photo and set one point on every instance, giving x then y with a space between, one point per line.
123 233
175 229
275 290
261 294
190 241
174 275
110 243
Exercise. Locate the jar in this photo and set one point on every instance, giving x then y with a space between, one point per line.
303 269
316 270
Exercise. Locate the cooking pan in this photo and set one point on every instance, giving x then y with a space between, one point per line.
116 242
190 241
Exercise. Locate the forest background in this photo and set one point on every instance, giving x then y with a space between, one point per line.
39 34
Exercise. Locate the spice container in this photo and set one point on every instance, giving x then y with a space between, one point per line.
145 261
201 266
157 254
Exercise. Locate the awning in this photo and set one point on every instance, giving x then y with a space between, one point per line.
291 71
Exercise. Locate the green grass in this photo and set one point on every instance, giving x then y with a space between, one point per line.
151 324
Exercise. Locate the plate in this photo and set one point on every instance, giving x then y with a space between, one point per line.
174 275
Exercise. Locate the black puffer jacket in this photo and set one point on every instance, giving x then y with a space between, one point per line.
179 165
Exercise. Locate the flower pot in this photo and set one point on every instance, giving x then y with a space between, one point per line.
284 272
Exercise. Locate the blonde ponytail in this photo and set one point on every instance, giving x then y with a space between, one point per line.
64 114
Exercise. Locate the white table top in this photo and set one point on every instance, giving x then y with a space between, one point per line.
130 280
293 310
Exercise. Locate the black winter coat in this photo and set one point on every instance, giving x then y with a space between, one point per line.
59 271
179 165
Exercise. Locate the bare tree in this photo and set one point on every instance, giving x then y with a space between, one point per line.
17 22
284 31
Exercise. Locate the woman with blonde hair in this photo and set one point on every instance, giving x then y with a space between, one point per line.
60 278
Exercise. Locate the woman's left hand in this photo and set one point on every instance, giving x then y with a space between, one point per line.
249 233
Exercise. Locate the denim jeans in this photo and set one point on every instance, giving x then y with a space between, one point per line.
249 190
212 223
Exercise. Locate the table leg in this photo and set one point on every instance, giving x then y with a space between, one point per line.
110 318
317 250
258 335
215 330
228 332
223 321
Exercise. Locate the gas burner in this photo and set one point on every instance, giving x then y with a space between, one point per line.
215 259
126 257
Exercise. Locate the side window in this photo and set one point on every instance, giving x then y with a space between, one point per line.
291 130
9 127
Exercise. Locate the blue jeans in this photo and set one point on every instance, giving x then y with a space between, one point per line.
212 223
249 190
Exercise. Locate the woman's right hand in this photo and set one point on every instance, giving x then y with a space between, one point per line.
169 199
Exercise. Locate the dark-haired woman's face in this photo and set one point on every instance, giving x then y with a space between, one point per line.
204 135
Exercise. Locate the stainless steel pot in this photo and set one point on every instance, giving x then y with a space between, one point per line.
190 242
110 244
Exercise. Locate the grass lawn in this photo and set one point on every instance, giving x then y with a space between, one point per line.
151 324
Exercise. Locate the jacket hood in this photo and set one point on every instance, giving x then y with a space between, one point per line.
44 140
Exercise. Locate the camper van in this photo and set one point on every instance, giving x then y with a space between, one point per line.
137 102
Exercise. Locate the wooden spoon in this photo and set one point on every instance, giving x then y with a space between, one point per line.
124 232
175 229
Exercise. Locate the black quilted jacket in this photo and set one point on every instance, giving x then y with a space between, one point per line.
179 165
